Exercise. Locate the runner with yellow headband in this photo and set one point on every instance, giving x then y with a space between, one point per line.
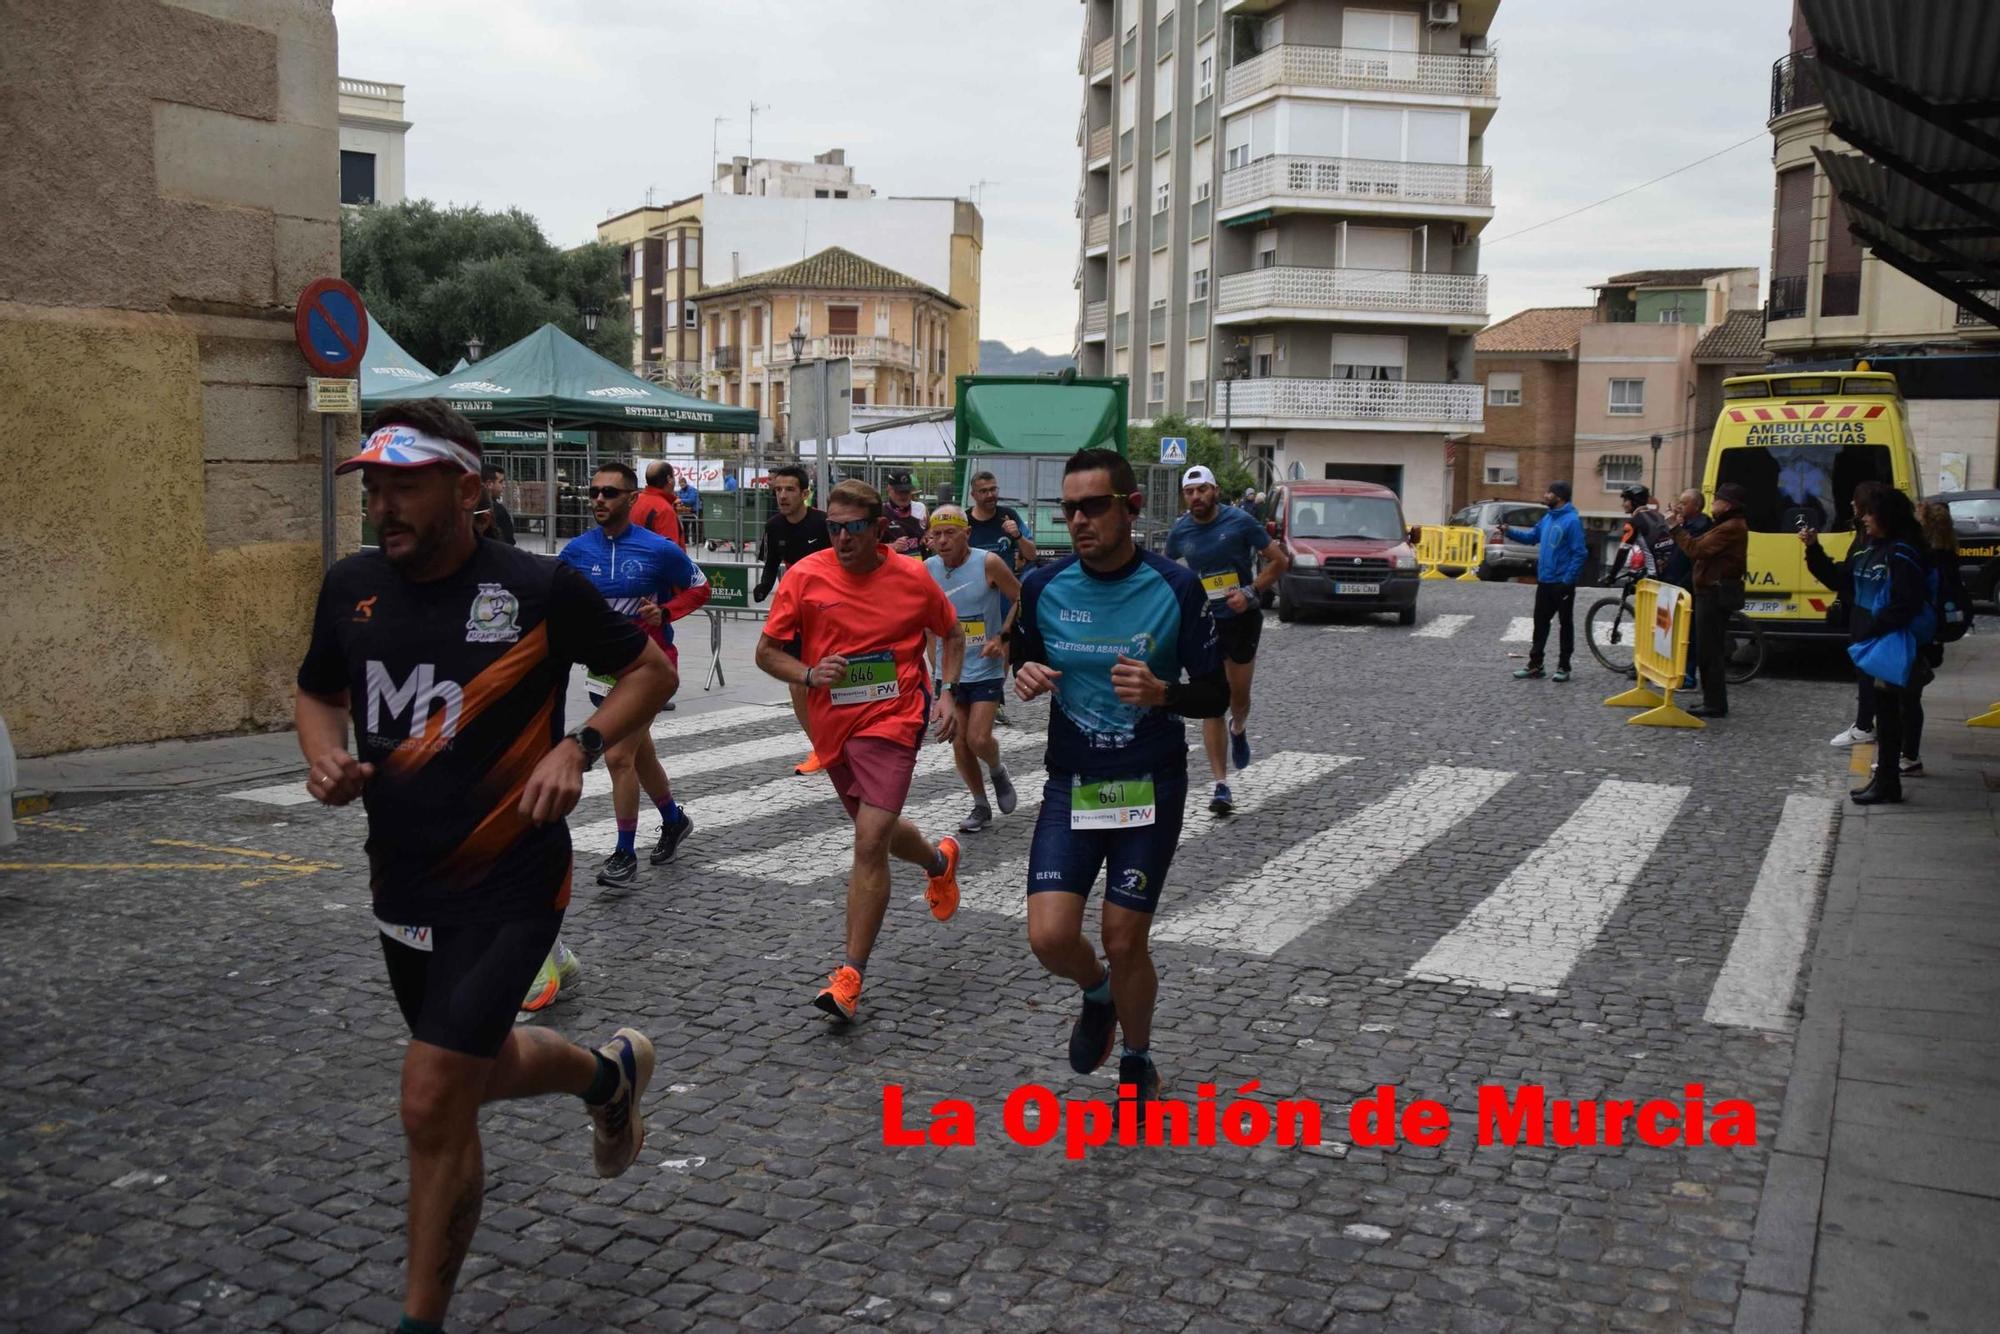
986 596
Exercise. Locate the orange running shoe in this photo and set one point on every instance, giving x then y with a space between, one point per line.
942 890
841 996
811 764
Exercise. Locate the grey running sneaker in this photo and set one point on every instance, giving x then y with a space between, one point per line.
619 870
618 1130
981 816
1003 791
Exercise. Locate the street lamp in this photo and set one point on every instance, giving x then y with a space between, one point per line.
798 346
473 347
1657 442
590 314
1230 367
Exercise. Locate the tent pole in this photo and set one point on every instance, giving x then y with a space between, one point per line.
549 478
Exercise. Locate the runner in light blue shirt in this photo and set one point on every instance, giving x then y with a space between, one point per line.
986 595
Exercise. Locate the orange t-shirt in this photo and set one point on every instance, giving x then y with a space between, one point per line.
654 511
885 612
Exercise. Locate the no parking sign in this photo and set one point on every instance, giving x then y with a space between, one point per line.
332 327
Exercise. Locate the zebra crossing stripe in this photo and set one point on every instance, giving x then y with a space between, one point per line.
1527 934
278 794
1288 895
1004 888
1754 989
1520 630
1442 627
723 809
688 764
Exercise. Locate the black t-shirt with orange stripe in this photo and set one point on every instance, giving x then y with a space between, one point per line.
456 690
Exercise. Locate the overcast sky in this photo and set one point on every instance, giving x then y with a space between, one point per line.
571 111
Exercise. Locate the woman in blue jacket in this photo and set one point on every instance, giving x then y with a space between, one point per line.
1886 587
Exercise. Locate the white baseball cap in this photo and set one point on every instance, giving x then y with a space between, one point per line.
1198 476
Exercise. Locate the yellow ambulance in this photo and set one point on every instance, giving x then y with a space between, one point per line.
1800 443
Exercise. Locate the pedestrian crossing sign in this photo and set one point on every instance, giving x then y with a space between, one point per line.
1173 449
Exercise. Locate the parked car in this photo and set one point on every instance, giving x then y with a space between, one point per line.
1349 548
1976 516
1504 560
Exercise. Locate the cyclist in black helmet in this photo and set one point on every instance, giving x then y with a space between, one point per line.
1645 530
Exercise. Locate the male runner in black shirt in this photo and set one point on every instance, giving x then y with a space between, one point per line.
452 656
790 535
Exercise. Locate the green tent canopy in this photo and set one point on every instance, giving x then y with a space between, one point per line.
549 380
386 368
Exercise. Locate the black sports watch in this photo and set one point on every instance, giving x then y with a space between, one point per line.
590 741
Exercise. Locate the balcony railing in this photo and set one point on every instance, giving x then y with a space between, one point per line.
1972 319
1100 59
1358 400
1097 231
861 347
1357 69
1359 178
1093 319
1100 143
1788 298
1334 290
725 359
1795 83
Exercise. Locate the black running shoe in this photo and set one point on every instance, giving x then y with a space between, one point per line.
672 834
1221 804
1091 1037
1140 1072
619 870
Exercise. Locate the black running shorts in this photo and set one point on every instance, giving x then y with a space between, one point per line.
460 986
1238 634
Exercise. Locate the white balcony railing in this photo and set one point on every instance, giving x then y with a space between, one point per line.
1456 405
1093 319
1356 69
1439 183
1334 290
863 348
1097 231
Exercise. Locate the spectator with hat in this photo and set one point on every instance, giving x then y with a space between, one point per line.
1720 557
905 515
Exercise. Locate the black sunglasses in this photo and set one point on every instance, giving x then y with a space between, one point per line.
852 527
1090 507
606 492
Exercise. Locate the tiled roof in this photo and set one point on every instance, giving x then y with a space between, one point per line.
1667 277
831 267
1537 329
1738 338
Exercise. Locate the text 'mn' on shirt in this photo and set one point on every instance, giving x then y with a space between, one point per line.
1078 621
455 688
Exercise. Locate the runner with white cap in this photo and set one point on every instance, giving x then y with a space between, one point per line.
1221 544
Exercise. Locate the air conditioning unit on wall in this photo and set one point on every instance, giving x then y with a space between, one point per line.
1443 13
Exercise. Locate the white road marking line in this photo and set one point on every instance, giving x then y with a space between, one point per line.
278 794
1004 887
1289 894
1520 630
723 809
1754 989
1527 934
295 794
1442 627
687 764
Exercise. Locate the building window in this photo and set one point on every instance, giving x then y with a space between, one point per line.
1197 391
1503 390
1503 467
821 194
1369 357
1205 79
1623 470
840 194
1162 193
1198 285
357 177
1156 386
1673 315
1628 398
690 317
1267 249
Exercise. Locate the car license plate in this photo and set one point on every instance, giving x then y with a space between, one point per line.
1358 589
1767 606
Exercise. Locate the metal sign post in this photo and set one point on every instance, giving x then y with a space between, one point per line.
331 325
821 403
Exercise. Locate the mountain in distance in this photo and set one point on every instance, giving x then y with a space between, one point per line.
996 358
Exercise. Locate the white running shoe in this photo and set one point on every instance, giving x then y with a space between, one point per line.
618 1129
1854 736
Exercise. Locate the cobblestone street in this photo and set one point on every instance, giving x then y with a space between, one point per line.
1439 878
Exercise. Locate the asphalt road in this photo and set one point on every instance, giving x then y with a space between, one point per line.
1442 879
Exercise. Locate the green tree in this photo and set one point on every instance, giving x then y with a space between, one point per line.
435 277
1204 446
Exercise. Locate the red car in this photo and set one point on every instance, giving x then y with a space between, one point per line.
1350 550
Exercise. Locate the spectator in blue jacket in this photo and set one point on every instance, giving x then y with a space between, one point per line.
1558 566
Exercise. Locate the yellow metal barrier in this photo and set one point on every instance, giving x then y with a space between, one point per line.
1461 547
1661 617
1990 718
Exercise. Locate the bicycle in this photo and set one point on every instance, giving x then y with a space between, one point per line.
1609 631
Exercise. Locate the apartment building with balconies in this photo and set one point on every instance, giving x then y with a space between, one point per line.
1832 301
1279 211
896 330
660 263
